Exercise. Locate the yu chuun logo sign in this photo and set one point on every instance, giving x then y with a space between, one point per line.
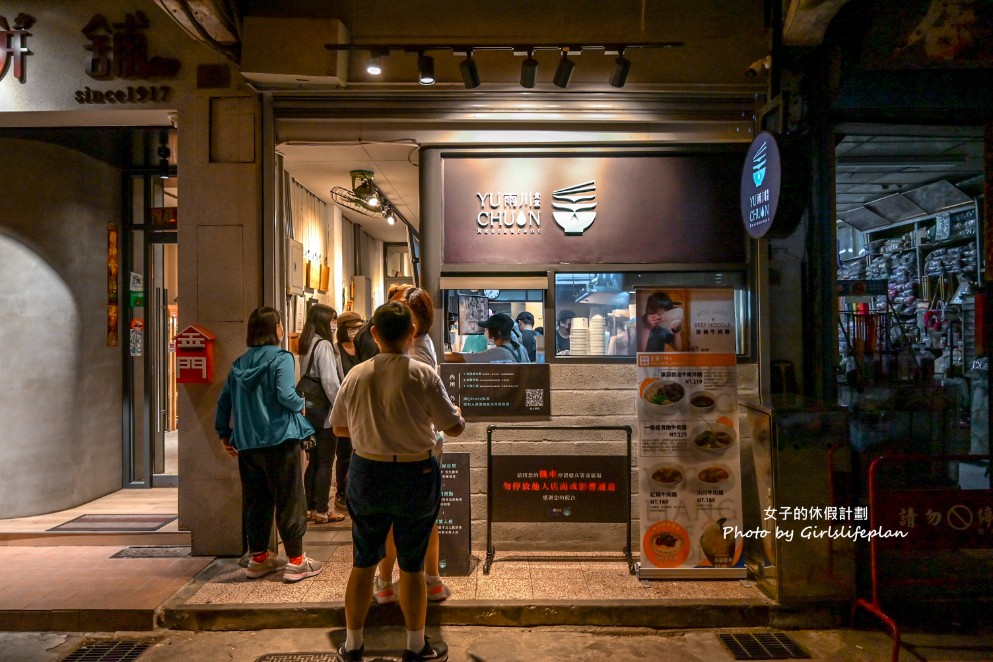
758 164
760 179
575 207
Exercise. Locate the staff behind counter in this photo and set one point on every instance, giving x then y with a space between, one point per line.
500 329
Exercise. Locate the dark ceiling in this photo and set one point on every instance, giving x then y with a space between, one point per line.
885 173
889 173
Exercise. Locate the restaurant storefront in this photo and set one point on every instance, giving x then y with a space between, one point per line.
595 231
571 207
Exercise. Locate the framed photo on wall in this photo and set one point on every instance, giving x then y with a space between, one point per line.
294 267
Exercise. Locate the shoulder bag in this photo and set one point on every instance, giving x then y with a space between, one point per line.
312 391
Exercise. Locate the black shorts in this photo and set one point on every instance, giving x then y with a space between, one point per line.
404 495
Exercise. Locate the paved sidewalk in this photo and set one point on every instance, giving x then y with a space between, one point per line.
85 588
490 644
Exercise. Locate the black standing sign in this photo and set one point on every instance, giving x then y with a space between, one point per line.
559 488
500 391
454 520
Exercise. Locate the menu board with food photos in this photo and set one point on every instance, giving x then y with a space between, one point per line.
689 470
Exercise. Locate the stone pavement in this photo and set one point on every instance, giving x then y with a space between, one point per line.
528 608
496 644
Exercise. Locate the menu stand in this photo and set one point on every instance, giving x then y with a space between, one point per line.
493 492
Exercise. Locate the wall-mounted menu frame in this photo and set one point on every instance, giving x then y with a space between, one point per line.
472 311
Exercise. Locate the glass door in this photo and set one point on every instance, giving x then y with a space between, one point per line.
151 311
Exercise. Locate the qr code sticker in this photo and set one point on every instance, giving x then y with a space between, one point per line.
534 398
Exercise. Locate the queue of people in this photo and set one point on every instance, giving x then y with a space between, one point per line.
385 424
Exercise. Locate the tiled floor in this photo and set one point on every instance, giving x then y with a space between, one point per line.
83 588
88 578
73 583
34 530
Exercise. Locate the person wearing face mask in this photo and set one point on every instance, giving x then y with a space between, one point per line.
317 360
348 326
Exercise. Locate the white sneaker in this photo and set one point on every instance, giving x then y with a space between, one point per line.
258 569
438 591
385 593
308 567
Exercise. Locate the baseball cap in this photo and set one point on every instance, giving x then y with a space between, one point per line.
525 317
349 319
566 315
500 322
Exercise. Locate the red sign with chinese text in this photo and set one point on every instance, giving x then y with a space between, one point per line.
194 355
934 519
559 488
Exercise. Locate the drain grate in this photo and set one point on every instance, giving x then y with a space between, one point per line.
153 552
315 657
109 651
767 646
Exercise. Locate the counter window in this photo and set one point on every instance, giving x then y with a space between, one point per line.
620 314
466 309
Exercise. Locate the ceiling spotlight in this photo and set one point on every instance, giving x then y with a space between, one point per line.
390 218
374 65
563 73
470 74
529 70
622 66
425 69
760 66
364 189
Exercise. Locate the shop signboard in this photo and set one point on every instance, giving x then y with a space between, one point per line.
597 207
689 469
455 517
559 488
760 180
499 391
771 206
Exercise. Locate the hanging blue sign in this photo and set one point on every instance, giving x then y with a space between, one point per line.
771 207
760 181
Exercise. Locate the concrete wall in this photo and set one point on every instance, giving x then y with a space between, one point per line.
60 396
786 258
220 266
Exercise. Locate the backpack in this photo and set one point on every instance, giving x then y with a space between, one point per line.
312 391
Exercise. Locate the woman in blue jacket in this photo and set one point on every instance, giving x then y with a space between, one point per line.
260 421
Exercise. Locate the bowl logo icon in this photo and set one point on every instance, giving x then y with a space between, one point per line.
576 207
758 165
